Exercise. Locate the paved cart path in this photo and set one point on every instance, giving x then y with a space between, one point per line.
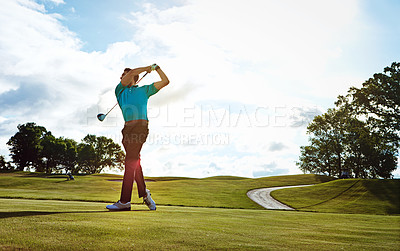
262 196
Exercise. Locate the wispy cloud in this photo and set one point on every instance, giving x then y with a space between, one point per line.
249 63
45 76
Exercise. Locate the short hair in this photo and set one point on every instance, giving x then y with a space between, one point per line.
135 78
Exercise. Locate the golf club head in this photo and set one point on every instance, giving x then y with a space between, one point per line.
101 116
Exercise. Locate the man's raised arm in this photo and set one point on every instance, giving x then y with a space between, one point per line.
164 80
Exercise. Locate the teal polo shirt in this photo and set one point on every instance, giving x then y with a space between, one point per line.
133 100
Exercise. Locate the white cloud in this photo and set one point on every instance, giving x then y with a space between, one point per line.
46 78
285 42
245 55
57 2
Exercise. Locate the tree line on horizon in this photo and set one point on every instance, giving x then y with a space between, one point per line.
33 147
360 137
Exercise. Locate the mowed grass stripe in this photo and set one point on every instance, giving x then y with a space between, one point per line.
67 225
345 196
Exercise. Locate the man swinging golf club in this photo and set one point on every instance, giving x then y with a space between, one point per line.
133 102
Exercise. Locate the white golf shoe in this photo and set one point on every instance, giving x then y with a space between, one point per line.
149 201
118 206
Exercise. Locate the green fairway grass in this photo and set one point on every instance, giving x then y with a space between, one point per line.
345 196
71 225
47 212
336 196
221 191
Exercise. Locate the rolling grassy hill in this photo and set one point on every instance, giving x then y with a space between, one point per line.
329 195
221 191
345 196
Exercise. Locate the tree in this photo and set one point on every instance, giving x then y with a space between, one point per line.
341 143
96 153
377 105
58 153
361 135
25 146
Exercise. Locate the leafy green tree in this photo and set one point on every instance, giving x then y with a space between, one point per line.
361 135
25 146
377 107
97 153
341 143
58 153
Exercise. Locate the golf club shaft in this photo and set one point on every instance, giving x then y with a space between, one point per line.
111 109
117 102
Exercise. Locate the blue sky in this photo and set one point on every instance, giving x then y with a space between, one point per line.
246 76
97 25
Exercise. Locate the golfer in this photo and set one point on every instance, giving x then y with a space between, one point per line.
132 100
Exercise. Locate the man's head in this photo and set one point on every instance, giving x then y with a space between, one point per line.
135 78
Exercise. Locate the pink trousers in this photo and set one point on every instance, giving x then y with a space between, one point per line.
133 137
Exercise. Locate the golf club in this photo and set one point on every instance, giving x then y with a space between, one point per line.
102 116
